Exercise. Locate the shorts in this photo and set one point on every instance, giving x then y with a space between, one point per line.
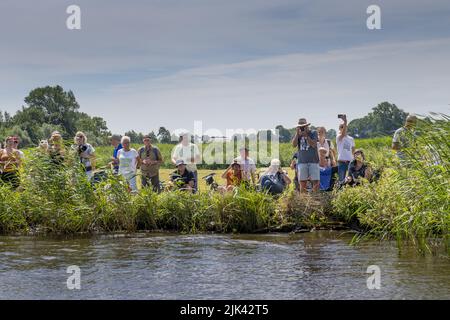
308 171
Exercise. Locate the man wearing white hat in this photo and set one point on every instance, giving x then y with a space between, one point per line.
182 177
189 153
308 157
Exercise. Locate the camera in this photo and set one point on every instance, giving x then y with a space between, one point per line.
82 148
209 179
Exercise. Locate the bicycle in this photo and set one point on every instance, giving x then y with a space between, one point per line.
209 179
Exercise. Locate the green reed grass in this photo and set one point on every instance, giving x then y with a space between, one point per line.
60 199
411 201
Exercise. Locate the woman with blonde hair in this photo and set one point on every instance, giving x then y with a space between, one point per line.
56 148
85 152
323 142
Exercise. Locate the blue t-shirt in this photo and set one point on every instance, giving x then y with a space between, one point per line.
116 150
306 153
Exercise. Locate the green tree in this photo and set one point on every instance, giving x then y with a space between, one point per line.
384 119
57 107
284 134
96 125
164 135
135 137
153 137
52 108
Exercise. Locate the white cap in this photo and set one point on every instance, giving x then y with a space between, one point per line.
275 162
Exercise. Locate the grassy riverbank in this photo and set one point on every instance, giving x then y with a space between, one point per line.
65 202
411 200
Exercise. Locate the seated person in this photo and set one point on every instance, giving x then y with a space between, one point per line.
233 176
274 179
327 172
182 178
358 169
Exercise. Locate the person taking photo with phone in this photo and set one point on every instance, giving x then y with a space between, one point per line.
345 147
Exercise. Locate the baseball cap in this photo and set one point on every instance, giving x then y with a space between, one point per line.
179 162
275 162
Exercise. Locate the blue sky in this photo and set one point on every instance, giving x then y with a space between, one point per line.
232 64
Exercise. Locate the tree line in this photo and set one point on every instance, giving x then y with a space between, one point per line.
52 108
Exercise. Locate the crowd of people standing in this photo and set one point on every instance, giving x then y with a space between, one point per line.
318 163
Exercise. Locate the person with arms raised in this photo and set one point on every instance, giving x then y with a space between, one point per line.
345 147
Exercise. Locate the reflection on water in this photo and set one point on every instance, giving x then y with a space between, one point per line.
317 265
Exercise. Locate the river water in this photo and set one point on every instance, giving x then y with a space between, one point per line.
315 265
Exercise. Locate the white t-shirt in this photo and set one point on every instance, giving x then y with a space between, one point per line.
186 153
344 148
127 161
89 151
248 167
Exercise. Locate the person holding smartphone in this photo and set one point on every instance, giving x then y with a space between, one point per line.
306 140
345 147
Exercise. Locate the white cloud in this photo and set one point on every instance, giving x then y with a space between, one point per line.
265 92
302 73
